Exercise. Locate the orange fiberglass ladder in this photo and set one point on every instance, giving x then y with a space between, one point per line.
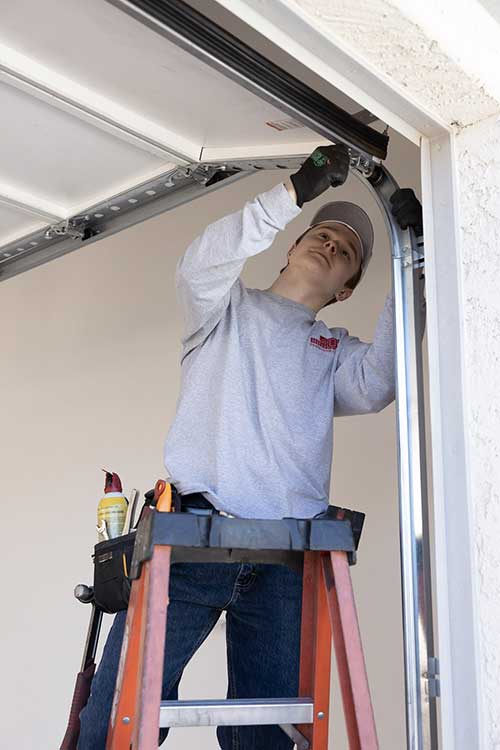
325 547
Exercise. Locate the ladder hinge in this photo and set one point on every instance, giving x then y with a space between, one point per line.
432 685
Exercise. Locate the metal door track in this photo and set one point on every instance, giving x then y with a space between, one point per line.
164 192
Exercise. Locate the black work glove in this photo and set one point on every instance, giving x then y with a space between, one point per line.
328 166
407 210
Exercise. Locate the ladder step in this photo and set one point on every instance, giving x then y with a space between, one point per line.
242 712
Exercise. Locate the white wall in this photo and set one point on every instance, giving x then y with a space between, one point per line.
90 379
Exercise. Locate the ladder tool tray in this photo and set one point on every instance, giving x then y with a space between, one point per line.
217 538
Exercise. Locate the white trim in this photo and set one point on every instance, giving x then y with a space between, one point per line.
61 92
453 553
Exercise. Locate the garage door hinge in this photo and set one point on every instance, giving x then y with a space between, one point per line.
77 229
432 685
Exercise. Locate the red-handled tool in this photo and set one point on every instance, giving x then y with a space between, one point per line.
81 692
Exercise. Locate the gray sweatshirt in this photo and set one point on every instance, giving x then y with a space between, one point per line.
262 378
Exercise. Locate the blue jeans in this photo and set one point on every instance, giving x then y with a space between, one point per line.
263 605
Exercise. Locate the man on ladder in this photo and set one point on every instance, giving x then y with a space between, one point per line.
253 434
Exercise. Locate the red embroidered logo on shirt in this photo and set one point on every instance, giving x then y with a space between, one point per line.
323 343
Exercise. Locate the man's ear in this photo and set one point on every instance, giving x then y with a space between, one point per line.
343 295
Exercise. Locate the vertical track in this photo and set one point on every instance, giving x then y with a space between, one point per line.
419 654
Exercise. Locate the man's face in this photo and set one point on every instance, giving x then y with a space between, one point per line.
328 255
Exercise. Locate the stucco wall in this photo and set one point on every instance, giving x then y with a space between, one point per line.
404 52
478 160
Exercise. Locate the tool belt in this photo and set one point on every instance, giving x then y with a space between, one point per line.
113 558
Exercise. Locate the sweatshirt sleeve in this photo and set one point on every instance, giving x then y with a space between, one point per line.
214 261
365 377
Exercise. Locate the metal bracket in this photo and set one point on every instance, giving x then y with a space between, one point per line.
419 253
296 736
433 685
411 255
366 166
74 228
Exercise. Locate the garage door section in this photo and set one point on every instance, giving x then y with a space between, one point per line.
113 112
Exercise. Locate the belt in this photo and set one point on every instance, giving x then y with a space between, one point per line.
196 503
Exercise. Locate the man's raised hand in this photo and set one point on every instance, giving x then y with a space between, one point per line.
328 166
406 209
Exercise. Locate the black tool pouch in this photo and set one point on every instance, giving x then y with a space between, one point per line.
112 560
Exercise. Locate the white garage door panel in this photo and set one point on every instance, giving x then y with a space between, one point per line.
48 152
15 222
113 55
96 105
